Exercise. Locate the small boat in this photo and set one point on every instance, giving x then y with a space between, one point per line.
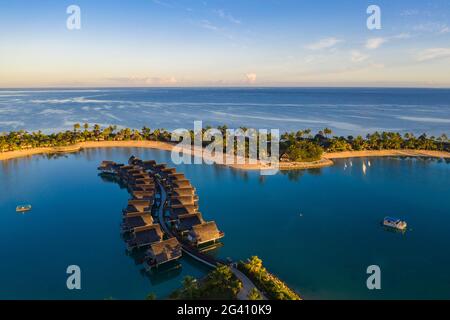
345 166
395 223
23 208
369 164
364 168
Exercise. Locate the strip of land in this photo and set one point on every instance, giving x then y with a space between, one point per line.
327 159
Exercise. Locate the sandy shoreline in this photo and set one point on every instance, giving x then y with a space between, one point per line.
327 159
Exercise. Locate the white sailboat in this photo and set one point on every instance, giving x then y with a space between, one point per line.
345 166
364 168
351 164
368 163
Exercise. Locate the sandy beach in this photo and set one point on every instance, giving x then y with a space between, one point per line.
327 159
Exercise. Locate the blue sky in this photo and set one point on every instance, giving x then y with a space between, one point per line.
224 43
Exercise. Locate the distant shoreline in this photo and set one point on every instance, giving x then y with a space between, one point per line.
327 158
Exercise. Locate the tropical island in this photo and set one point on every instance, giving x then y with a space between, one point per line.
299 150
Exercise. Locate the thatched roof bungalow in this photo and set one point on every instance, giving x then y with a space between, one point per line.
145 236
187 191
176 212
204 233
163 252
136 205
181 184
178 202
130 223
185 222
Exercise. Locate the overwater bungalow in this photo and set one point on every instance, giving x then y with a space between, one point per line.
181 184
176 176
135 161
178 202
187 191
143 195
138 206
158 168
109 167
130 223
176 212
166 172
204 233
185 222
148 164
145 236
163 252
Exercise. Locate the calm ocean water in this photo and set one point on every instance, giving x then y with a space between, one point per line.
346 111
318 230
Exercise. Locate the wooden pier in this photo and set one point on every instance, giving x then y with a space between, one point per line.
145 181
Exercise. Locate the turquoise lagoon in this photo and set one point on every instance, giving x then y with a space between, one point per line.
318 230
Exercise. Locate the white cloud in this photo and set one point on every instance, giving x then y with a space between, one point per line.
208 25
433 27
227 16
357 56
445 29
323 44
433 53
374 43
250 77
409 12
137 81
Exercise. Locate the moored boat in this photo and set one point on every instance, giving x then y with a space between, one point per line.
395 223
23 208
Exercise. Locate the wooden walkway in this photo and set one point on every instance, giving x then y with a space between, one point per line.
247 284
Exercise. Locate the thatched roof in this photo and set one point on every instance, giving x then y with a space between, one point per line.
143 195
181 183
183 191
138 221
187 221
177 176
165 251
149 164
139 205
148 234
136 214
176 212
177 202
205 232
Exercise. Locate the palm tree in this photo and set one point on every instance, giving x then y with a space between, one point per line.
76 127
327 132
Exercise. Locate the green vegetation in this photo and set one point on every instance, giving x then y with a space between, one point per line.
304 151
300 146
217 285
273 287
254 295
151 296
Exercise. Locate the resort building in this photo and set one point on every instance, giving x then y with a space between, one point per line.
185 222
163 252
204 233
181 201
145 236
135 220
181 184
138 206
178 211
187 191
